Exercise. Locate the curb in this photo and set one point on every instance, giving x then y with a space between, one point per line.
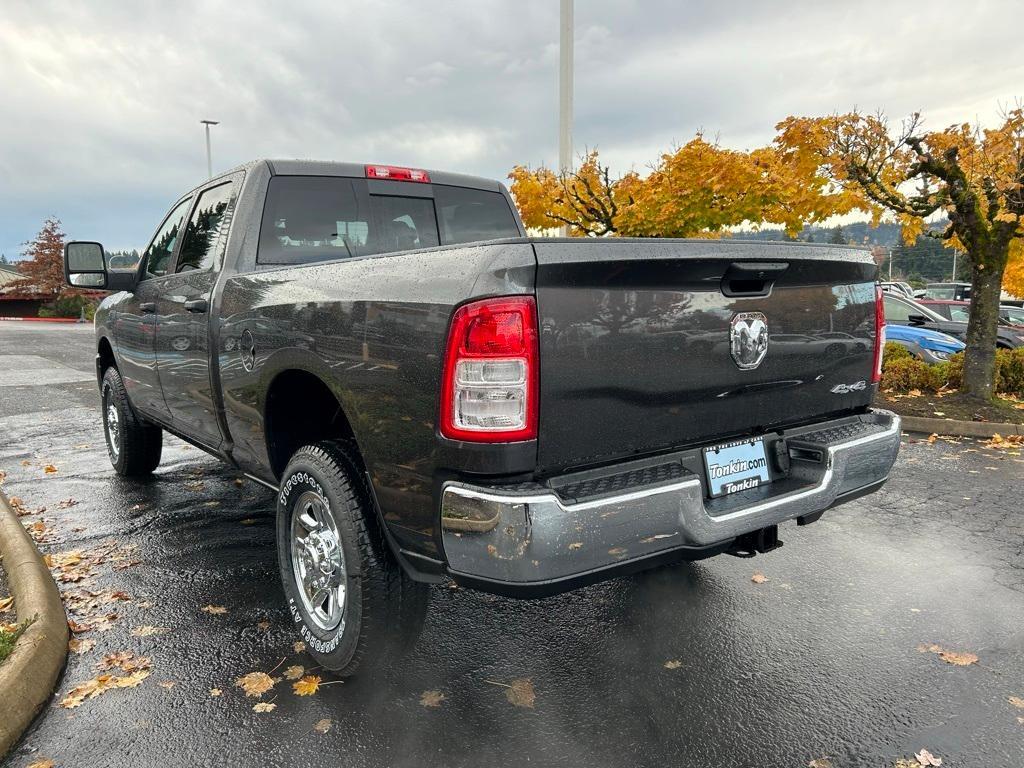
44 319
960 428
28 676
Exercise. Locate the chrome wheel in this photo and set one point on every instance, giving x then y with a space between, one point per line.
113 420
318 563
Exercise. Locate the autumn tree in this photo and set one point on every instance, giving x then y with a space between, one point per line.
974 176
698 189
43 267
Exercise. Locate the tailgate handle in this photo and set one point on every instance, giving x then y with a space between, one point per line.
751 278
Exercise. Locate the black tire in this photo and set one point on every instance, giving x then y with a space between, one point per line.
383 610
133 444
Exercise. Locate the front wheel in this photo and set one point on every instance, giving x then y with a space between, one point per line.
348 597
134 445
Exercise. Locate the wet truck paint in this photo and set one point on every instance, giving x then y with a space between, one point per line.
639 351
635 353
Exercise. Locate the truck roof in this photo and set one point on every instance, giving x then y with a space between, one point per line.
284 167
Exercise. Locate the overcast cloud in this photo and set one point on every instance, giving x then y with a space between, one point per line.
102 101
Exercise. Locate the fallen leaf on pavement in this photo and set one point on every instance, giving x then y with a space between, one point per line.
1017 701
41 764
926 758
956 658
299 646
759 578
216 691
820 762
167 684
215 610
932 438
248 521
49 469
672 664
255 683
90 689
294 673
6 603
307 686
148 631
431 698
322 726
126 661
76 645
264 706
263 626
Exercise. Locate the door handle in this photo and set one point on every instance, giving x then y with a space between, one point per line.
196 305
147 306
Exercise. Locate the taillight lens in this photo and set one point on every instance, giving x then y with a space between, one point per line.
489 391
876 374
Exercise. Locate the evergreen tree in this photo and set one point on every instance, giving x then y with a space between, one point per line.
837 236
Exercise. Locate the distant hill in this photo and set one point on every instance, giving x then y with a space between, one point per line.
857 233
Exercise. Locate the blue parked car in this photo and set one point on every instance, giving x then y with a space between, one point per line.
930 346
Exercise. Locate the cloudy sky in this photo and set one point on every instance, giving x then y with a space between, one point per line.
102 101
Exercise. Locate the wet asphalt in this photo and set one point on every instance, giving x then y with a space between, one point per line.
690 665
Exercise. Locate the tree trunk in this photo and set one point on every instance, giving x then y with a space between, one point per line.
980 356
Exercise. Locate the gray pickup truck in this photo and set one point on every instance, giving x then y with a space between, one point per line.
433 394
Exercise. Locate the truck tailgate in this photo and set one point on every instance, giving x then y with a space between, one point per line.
648 345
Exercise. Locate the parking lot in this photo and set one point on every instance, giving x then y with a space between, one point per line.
842 651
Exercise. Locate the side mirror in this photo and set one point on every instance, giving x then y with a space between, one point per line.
85 266
917 319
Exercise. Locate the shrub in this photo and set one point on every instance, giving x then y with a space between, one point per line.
895 351
904 373
69 306
1010 371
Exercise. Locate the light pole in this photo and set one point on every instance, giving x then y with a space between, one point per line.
565 84
955 251
209 160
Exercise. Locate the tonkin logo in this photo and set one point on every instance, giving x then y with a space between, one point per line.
748 339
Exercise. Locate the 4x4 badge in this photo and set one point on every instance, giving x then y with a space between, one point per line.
748 339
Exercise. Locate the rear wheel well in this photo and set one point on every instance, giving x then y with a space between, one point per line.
300 410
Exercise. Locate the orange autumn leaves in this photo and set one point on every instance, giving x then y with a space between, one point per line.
814 168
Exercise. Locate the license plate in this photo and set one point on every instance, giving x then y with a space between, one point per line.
736 466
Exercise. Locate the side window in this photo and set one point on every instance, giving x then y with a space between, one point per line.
312 218
959 314
203 233
468 215
158 254
895 311
403 223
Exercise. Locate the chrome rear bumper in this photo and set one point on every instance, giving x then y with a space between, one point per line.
532 534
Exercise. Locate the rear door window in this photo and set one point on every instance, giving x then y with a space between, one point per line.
202 242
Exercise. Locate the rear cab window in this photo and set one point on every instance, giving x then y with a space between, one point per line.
317 218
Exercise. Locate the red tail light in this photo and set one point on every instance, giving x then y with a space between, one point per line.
876 373
490 387
395 173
